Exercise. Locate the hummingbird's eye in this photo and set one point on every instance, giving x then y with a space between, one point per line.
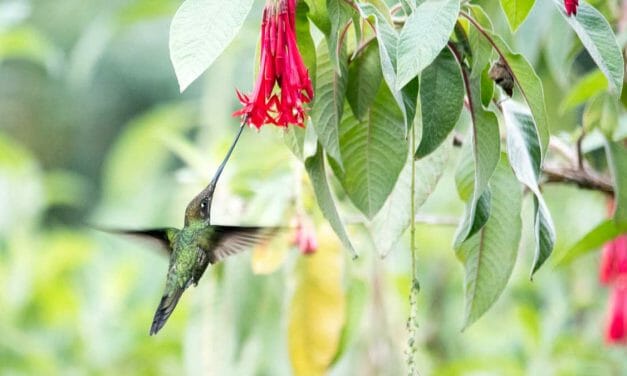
203 208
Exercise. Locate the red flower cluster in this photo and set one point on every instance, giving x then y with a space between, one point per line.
571 6
614 273
281 63
305 236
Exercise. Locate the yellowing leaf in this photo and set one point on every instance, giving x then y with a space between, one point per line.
318 308
270 256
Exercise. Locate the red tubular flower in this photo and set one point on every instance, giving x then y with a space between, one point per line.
616 330
280 64
571 7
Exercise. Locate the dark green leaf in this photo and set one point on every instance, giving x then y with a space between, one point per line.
441 101
374 152
364 79
340 14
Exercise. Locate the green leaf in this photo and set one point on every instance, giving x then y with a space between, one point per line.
387 39
598 38
294 138
480 47
489 255
617 160
374 152
523 150
318 14
364 79
590 85
200 31
424 35
340 13
602 112
395 217
485 143
305 42
593 240
441 101
328 106
530 87
516 11
317 173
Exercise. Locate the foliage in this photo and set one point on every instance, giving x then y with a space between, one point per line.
98 92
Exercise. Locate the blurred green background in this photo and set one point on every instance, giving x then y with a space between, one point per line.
93 130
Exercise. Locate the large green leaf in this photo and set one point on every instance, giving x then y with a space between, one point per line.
485 144
340 14
598 38
479 45
523 150
387 39
601 234
374 152
617 160
441 101
395 216
490 254
317 173
328 106
424 35
530 87
516 11
364 79
318 14
200 31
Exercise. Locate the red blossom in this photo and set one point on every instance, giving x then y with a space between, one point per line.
616 330
305 236
571 7
280 64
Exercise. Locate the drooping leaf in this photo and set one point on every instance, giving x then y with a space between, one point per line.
295 139
441 101
200 31
328 106
490 254
593 240
617 160
319 15
395 217
479 45
516 11
374 153
387 39
485 142
318 309
530 86
590 85
364 80
306 45
598 38
424 35
317 173
523 150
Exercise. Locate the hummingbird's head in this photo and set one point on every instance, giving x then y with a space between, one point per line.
199 208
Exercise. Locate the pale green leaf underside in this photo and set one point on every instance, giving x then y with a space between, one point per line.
516 11
490 254
200 31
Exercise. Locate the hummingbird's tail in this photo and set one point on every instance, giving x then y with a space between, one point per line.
167 305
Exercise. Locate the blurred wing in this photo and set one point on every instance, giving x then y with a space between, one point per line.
160 238
231 240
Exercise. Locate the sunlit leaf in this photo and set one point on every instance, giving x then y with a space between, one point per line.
593 240
590 85
516 11
598 38
424 34
200 31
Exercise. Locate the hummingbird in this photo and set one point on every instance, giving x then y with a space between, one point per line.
199 243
